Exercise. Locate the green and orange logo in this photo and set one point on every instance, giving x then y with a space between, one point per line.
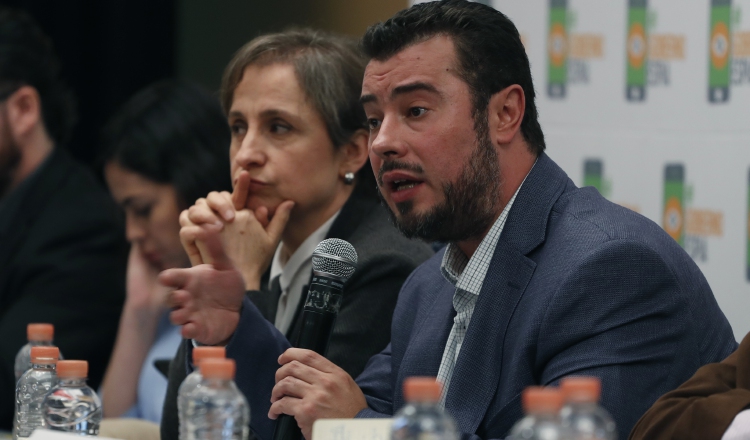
673 221
557 45
719 50
720 46
557 49
637 46
637 49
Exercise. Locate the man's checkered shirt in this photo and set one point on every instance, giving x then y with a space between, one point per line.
468 276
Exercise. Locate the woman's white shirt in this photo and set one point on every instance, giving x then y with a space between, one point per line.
295 274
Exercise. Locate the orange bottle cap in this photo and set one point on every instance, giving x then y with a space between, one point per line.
542 399
422 389
40 332
72 369
213 368
581 388
201 353
46 355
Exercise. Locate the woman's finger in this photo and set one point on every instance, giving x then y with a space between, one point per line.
241 190
202 214
219 204
188 240
279 220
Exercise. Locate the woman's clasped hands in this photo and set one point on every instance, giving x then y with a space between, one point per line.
249 238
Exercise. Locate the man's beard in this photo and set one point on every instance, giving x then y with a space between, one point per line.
10 155
470 205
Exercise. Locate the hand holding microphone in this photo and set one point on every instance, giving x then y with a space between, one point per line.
309 386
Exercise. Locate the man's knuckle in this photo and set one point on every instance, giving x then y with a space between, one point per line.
308 409
308 357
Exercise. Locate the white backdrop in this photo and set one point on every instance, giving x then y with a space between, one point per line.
706 144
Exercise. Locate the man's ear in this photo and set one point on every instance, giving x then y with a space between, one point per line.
505 111
24 108
354 153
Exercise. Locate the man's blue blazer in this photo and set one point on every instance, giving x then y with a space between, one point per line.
577 286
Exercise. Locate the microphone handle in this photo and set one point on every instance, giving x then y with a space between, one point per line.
316 331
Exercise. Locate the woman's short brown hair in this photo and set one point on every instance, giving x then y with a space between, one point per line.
329 69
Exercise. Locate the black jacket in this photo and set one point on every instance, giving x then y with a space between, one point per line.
62 261
362 329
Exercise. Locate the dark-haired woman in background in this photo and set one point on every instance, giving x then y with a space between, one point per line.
299 135
165 147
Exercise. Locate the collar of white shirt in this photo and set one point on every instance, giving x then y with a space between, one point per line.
300 256
468 274
295 273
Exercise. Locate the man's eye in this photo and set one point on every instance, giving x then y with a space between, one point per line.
373 123
417 111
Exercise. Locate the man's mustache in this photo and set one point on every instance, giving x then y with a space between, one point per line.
392 165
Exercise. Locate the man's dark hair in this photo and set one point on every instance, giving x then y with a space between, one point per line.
27 58
172 132
490 53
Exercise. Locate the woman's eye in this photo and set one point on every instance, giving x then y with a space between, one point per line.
417 111
238 129
142 211
280 128
373 123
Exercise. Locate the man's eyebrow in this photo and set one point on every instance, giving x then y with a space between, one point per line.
413 87
402 90
364 99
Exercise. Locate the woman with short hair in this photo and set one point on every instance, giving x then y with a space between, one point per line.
299 152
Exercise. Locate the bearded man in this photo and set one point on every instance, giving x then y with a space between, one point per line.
62 249
540 279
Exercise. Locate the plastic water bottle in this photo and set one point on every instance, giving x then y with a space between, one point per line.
39 335
582 413
193 381
422 417
72 406
217 410
542 421
31 389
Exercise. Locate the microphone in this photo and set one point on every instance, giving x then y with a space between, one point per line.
333 262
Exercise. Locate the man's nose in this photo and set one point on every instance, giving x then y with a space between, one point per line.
388 141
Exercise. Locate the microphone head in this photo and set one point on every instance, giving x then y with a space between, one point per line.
335 257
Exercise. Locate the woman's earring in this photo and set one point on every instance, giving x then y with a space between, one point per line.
349 178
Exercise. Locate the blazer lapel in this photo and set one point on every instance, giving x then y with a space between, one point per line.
426 345
479 364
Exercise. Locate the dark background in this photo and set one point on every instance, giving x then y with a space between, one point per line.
110 49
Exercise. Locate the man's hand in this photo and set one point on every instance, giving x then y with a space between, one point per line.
208 297
310 387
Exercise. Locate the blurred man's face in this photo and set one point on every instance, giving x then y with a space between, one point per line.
10 154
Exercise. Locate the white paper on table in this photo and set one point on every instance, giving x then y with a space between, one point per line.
46 434
740 427
352 429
